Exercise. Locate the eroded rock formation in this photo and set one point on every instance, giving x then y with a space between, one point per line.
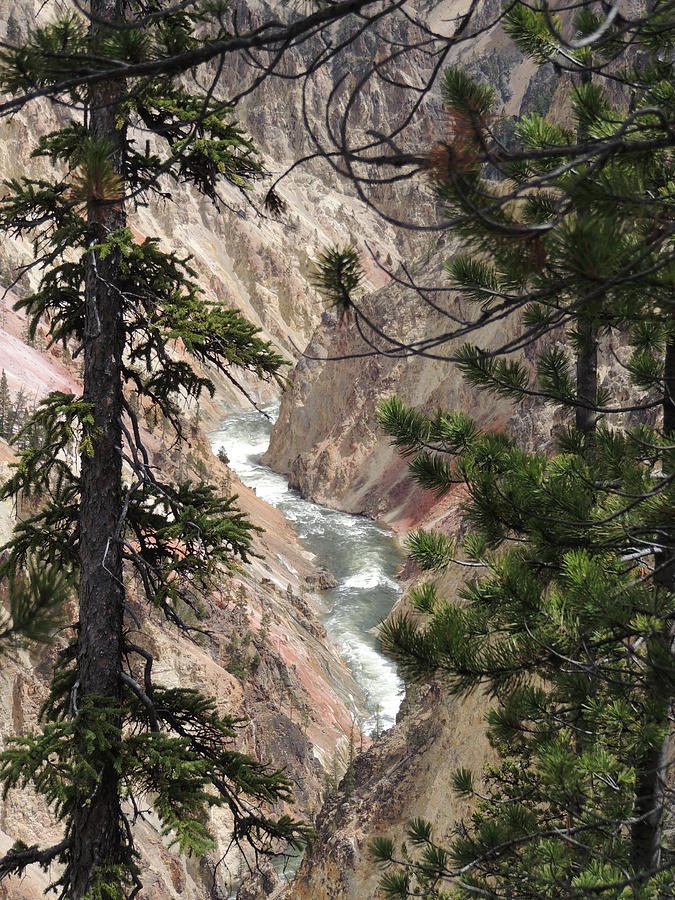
267 658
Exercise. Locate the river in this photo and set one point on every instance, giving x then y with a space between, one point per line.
361 555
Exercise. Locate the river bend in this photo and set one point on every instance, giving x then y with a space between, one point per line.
361 555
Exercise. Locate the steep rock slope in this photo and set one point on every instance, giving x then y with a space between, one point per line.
243 257
262 266
328 441
267 658
402 776
286 680
405 774
327 438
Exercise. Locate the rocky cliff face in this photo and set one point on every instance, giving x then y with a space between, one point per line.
327 438
402 776
267 658
244 257
280 672
405 774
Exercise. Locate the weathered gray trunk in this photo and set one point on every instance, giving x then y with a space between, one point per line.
97 843
647 832
666 563
650 793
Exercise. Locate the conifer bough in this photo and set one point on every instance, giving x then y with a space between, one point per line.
110 734
568 622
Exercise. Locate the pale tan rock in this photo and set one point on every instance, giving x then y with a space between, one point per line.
297 697
405 774
327 438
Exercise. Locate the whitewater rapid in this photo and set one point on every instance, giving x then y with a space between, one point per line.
362 556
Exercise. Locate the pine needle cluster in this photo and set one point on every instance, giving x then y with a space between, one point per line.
567 623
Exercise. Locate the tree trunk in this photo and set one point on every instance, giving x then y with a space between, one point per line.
650 794
587 355
587 379
647 832
97 840
666 561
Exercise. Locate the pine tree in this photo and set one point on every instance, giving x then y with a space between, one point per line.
110 733
569 625
16 415
564 629
595 262
32 606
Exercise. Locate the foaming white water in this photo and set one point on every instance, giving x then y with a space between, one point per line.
362 556
370 578
374 670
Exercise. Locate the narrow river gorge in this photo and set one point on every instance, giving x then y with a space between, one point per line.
362 556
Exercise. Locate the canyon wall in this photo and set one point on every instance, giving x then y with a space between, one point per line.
327 438
281 672
244 257
405 774
266 658
329 443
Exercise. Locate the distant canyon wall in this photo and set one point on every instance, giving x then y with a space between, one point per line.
244 257
327 438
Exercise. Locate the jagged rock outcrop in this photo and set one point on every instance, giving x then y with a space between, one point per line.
403 775
327 440
406 773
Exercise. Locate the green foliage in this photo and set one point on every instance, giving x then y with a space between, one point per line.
183 773
5 408
33 605
567 624
529 28
340 776
242 657
337 275
16 423
506 377
467 98
566 236
571 645
143 743
430 549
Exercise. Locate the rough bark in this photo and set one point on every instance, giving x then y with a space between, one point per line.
587 380
587 355
96 834
666 563
647 832
650 794
669 390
